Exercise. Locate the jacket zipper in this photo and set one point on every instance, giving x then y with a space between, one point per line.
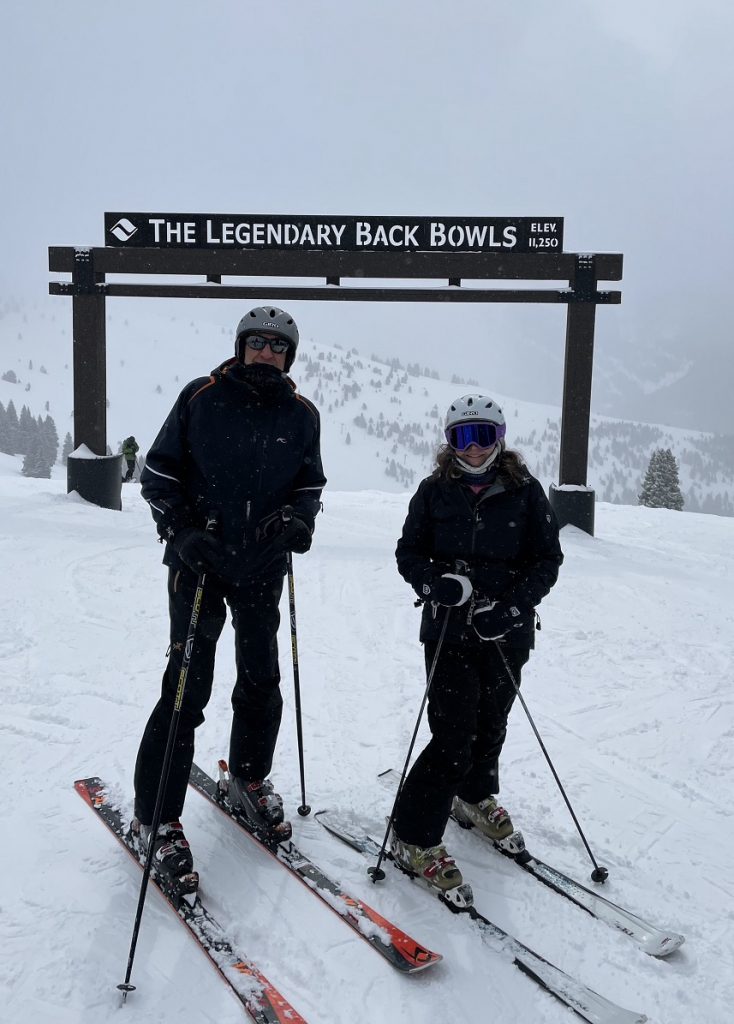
248 506
475 524
258 489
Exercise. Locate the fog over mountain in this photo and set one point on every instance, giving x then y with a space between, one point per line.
615 117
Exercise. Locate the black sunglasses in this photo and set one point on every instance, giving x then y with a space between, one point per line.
257 343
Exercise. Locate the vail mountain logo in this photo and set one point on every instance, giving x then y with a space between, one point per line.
123 230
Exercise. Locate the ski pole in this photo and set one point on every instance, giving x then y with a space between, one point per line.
375 872
304 809
600 873
125 986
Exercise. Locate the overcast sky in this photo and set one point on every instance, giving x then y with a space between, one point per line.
617 117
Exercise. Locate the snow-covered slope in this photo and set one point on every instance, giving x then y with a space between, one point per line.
630 685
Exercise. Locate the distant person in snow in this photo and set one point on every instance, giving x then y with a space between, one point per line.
130 449
480 547
240 449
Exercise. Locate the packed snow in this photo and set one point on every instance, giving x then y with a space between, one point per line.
630 685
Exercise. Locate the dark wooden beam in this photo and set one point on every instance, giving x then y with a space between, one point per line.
466 266
326 293
90 372
577 373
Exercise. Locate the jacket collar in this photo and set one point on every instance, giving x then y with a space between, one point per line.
263 382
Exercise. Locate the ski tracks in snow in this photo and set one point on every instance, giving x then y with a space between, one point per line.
630 685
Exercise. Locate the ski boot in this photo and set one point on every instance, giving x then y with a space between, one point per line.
257 801
172 860
433 868
492 820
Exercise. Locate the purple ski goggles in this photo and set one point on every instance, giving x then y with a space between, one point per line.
483 435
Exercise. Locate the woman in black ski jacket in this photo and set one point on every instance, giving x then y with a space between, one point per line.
480 547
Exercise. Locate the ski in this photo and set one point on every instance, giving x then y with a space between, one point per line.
589 1005
260 999
654 941
396 946
650 939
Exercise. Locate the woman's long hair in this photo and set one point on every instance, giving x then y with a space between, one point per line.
510 465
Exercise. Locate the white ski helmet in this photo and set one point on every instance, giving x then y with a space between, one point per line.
477 408
474 419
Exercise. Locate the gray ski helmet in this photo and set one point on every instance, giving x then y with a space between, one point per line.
479 408
271 320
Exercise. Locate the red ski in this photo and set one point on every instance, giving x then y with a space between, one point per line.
262 1001
391 942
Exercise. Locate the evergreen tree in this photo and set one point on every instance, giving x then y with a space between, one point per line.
30 460
67 449
661 486
4 440
26 430
50 439
36 463
11 428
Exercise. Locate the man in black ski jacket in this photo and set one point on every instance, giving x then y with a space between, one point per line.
240 451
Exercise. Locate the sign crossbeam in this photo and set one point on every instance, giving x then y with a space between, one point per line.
336 293
465 266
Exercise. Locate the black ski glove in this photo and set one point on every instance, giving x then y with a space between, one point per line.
284 530
496 619
449 589
199 550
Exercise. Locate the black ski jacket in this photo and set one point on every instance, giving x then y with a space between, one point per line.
240 442
507 537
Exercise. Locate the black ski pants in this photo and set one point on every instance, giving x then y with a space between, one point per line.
468 706
256 700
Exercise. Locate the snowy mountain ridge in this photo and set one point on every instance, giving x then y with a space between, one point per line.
381 415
